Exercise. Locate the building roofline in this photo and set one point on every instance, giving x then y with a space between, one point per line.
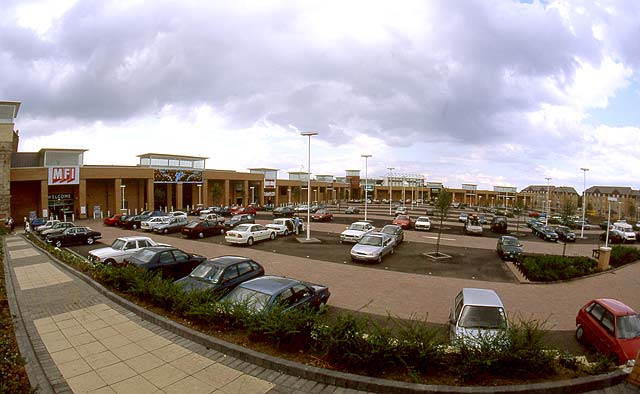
167 156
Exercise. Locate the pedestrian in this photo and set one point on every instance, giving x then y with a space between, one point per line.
12 223
296 224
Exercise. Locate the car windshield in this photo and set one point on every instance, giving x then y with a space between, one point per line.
118 244
145 255
511 242
210 273
192 224
402 217
356 226
236 218
243 227
389 230
254 300
371 240
628 327
489 317
422 219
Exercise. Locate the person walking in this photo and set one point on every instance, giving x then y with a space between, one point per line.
11 223
296 224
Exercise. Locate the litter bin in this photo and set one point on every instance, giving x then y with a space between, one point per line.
603 259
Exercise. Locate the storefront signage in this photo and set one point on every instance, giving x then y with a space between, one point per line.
60 196
165 175
269 194
269 183
64 176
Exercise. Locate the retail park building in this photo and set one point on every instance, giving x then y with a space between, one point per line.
55 181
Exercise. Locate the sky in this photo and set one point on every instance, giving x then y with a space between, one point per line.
487 92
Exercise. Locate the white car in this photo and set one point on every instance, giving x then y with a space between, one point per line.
477 315
422 223
211 217
248 233
402 211
301 208
284 226
149 225
47 225
120 249
178 213
356 231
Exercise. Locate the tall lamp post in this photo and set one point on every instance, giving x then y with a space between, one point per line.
122 190
609 201
584 197
546 220
309 134
390 188
366 185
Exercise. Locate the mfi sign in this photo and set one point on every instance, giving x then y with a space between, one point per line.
64 175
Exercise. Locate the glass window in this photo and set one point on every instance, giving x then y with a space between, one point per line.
597 311
159 162
145 255
285 299
607 322
174 163
244 268
180 256
198 164
628 327
482 317
130 245
186 163
230 273
166 258
145 161
254 300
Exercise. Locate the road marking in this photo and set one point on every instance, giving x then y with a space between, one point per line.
441 238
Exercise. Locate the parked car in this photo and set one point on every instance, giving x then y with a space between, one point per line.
547 233
565 234
195 211
610 326
113 220
422 223
47 225
220 274
322 215
604 225
133 222
401 211
248 233
499 224
283 212
403 221
74 236
476 315
626 229
238 219
169 261
211 217
174 225
355 231
508 247
395 231
472 226
151 223
202 228
316 207
463 217
120 249
244 211
302 208
285 226
373 247
482 219
352 210
615 237
266 292
56 229
178 213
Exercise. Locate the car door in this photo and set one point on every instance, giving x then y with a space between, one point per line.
387 245
184 264
608 343
263 233
301 295
166 263
592 328
454 315
229 278
81 235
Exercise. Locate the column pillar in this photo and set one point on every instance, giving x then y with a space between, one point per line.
226 193
205 193
245 193
117 193
179 196
82 199
44 198
150 204
169 196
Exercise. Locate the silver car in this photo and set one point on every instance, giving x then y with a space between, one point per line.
373 247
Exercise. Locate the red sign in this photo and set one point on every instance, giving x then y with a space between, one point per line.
64 175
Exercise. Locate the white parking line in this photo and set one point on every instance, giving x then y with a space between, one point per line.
441 238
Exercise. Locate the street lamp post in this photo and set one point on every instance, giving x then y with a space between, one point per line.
122 190
609 201
546 220
289 195
366 185
253 200
584 197
390 188
404 197
309 134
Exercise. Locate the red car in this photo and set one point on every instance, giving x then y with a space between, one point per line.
244 210
403 221
610 326
202 228
322 215
113 220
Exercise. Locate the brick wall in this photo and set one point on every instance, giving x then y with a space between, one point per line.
8 139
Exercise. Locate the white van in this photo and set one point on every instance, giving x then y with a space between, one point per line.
477 314
626 229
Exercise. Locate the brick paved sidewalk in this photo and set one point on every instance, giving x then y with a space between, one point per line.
83 343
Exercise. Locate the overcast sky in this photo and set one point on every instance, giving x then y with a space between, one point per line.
487 92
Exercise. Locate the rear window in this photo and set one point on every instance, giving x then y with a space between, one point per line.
482 317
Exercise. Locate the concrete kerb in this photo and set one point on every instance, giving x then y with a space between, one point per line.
341 379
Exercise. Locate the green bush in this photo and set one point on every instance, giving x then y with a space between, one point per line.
546 268
621 255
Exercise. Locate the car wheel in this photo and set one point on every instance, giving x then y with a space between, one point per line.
272 236
580 334
90 241
392 251
200 235
221 231
165 231
379 260
250 241
134 227
110 262
340 241
287 232
58 244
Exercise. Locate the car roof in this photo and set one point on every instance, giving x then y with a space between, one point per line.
423 218
394 226
509 237
224 261
269 284
134 238
481 297
159 248
361 222
618 308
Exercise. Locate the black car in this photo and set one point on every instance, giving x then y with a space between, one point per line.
615 237
604 225
547 233
221 274
265 293
169 261
283 212
499 224
238 219
56 229
508 247
74 236
222 211
352 210
565 234
395 231
133 222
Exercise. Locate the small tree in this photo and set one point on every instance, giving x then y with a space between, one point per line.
442 209
568 210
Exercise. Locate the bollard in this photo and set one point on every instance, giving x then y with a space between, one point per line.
603 259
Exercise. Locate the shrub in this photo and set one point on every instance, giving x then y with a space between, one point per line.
545 268
621 255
